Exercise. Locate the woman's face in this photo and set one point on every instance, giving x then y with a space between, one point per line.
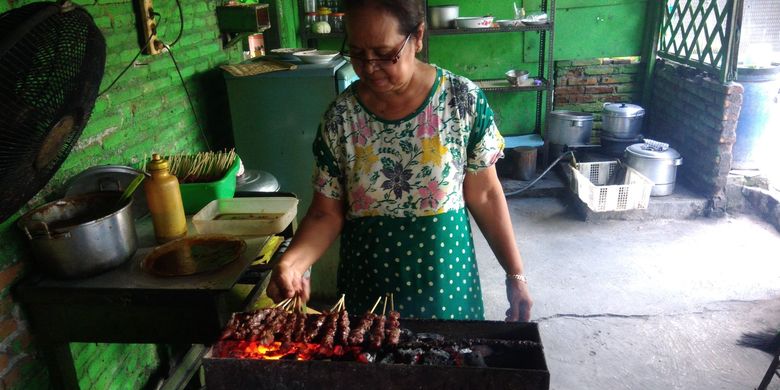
373 42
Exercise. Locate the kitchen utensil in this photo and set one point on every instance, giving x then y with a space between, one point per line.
258 216
131 188
474 22
82 235
443 16
657 161
288 53
570 128
517 77
509 23
316 56
193 255
114 178
622 120
52 58
519 11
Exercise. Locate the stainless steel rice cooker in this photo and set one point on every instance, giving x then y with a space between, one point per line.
622 120
657 161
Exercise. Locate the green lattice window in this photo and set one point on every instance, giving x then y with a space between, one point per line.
701 33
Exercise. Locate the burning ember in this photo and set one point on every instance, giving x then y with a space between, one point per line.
286 332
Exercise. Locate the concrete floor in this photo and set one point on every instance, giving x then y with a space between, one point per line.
652 304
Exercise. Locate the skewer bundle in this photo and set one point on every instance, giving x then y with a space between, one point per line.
202 167
288 322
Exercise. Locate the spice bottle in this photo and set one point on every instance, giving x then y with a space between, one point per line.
164 200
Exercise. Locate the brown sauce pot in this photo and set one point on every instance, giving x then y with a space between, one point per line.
81 236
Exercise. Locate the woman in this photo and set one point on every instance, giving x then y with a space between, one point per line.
399 154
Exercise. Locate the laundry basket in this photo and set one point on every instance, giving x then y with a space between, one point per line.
589 182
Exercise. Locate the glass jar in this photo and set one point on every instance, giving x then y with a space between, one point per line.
337 21
310 6
311 18
323 15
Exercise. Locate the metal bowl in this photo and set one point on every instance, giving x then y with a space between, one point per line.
517 77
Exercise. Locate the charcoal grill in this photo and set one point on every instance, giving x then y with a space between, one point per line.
525 369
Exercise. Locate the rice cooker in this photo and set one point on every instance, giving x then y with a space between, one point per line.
656 161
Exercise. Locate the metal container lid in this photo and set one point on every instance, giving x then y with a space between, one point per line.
653 150
256 181
623 110
572 115
109 178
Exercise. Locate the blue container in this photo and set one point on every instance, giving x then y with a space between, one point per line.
759 118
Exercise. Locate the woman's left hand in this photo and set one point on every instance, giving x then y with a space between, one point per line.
520 302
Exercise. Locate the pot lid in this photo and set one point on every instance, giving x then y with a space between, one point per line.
653 150
108 178
623 110
572 115
253 180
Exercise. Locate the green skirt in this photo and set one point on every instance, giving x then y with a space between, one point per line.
427 263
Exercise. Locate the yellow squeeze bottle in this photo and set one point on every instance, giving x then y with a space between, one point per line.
164 200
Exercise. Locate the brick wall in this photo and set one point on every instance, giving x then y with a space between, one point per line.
145 112
698 116
585 85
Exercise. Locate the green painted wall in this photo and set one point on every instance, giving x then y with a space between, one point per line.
145 112
583 29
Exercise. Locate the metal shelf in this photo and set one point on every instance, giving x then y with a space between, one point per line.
500 85
457 31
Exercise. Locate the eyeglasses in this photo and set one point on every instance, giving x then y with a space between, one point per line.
381 62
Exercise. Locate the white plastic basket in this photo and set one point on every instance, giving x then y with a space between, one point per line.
589 182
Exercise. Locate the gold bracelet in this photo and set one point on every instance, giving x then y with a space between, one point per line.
520 277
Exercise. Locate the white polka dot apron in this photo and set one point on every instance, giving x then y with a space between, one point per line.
407 231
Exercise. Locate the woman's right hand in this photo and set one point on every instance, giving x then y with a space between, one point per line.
287 281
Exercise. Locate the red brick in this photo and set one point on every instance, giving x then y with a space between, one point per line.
7 327
6 306
599 89
569 90
584 81
3 361
9 275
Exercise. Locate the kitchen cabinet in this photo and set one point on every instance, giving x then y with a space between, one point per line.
544 71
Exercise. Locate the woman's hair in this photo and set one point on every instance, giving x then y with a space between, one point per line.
409 13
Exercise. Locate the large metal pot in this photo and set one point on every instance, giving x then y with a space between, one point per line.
82 235
657 161
622 120
569 127
443 16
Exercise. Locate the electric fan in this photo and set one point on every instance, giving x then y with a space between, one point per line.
51 63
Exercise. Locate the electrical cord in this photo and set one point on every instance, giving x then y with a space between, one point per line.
508 194
148 42
189 97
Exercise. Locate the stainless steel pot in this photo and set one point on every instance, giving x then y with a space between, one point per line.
443 16
569 127
657 161
82 235
622 120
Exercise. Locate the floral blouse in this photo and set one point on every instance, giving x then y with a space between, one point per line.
410 167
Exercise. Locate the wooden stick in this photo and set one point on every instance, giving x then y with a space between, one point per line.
392 305
282 303
384 305
376 304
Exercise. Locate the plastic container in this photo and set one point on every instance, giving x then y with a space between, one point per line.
246 216
198 195
589 182
759 119
165 201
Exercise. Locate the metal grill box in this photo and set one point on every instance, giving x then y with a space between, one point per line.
526 370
